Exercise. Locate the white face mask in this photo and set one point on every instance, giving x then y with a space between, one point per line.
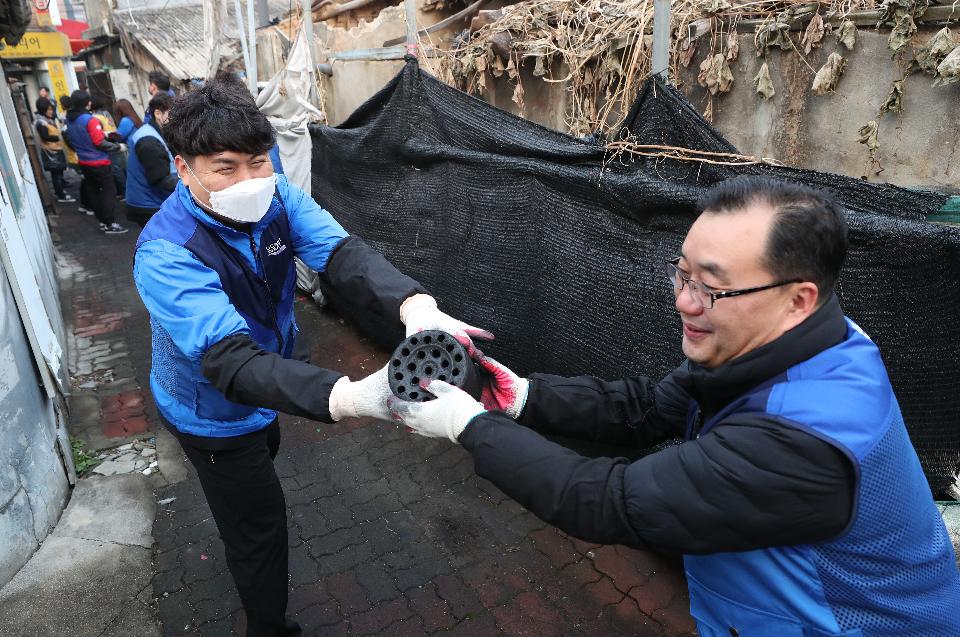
246 201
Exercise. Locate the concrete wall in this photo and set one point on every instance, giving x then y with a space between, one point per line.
917 146
796 127
33 481
33 484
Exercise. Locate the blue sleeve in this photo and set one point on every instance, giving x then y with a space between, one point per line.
125 128
314 231
275 159
185 297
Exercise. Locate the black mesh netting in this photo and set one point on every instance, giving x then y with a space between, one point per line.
530 233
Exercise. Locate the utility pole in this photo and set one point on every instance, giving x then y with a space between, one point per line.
252 47
410 12
306 19
263 13
661 38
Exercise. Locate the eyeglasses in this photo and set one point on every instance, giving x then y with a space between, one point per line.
706 295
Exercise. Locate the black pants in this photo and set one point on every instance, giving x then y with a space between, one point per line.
57 177
140 215
244 494
98 191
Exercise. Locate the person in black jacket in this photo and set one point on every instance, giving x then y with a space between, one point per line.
796 497
151 175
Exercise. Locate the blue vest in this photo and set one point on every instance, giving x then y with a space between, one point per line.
264 298
891 573
140 192
81 142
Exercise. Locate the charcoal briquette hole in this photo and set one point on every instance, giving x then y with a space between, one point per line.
428 370
401 389
412 367
405 351
398 376
444 363
458 357
414 395
421 354
427 339
455 372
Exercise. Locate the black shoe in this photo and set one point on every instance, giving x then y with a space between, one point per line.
115 228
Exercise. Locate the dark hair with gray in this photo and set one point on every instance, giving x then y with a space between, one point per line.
220 115
808 239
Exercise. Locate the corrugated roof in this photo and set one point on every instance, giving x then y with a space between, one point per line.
174 35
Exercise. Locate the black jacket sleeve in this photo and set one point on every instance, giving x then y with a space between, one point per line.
66 138
156 164
108 146
249 375
746 484
44 133
361 283
633 411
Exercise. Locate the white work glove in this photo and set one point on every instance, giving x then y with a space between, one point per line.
123 147
419 313
366 397
502 389
444 417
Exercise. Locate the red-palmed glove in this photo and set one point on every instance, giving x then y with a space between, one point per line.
419 313
503 389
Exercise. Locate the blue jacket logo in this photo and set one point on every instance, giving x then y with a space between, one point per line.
276 248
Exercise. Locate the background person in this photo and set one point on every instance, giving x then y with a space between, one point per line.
151 174
51 145
797 498
126 118
118 156
84 133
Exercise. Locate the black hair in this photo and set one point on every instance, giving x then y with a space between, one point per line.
220 115
64 101
161 81
79 100
43 104
99 102
44 88
159 102
808 238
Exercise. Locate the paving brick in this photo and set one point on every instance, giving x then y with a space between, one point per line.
390 534
349 594
378 618
433 611
529 614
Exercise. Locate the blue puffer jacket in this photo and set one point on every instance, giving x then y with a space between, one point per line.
202 282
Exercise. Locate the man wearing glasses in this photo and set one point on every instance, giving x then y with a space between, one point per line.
797 499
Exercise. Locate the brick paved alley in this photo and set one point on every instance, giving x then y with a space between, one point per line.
390 534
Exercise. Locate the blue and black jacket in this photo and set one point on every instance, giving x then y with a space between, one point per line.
221 309
797 499
151 175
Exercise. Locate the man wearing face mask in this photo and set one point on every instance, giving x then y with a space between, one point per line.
215 269
151 175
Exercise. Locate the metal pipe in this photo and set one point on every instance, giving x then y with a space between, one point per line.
661 38
238 13
410 11
307 19
263 13
252 47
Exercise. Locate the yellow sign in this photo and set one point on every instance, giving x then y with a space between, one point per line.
39 44
43 17
58 80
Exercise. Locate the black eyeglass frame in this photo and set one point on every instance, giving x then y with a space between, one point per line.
717 294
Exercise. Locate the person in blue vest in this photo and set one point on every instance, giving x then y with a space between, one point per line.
84 134
215 270
151 174
797 498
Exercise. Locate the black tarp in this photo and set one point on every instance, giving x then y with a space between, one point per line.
539 237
